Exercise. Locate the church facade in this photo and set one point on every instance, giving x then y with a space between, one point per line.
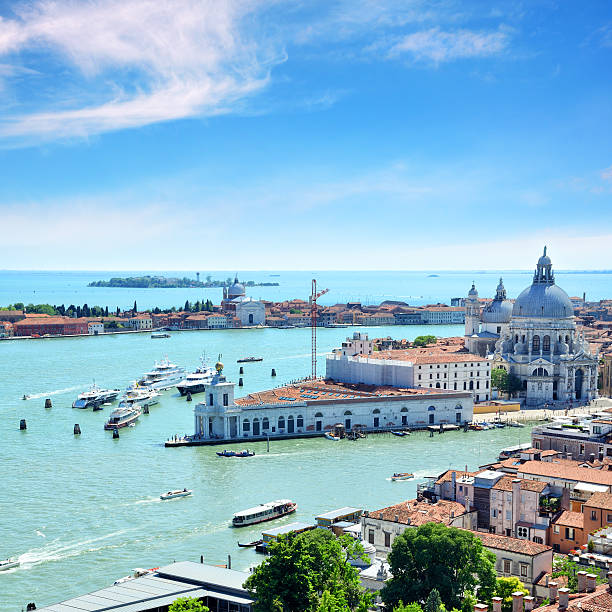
535 339
249 311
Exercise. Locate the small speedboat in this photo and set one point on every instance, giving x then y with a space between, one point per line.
400 433
330 436
245 453
177 493
8 564
402 476
226 453
26 397
515 424
249 359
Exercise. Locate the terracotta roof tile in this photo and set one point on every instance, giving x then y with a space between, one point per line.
417 513
600 500
500 542
570 519
561 469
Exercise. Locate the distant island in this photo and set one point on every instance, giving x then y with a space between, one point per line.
163 282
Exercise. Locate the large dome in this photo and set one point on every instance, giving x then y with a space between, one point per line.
497 312
236 290
548 301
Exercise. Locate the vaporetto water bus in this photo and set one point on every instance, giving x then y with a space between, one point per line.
264 512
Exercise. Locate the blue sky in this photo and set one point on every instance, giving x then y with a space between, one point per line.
348 134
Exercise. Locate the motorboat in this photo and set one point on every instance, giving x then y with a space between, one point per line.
249 359
177 493
251 544
95 397
123 417
331 436
264 512
402 476
160 334
196 381
9 564
400 433
515 424
136 394
226 453
26 397
242 453
163 376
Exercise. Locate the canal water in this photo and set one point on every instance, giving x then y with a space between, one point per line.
82 511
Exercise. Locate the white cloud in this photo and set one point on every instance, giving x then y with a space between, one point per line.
148 60
439 46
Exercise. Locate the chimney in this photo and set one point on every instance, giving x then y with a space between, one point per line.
497 604
529 603
480 607
563 598
517 601
581 581
552 591
591 582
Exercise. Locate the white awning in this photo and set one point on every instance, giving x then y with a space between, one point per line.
590 488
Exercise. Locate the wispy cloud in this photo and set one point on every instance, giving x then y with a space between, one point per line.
137 62
439 46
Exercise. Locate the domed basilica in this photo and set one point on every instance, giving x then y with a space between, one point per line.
535 339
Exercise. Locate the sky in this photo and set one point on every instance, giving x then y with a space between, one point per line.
335 134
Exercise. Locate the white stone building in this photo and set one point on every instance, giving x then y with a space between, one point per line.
317 406
538 342
236 303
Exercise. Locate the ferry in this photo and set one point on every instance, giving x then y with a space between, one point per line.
8 564
177 493
123 417
196 381
264 512
249 359
95 397
164 375
242 453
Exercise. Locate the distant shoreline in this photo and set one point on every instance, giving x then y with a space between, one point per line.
164 282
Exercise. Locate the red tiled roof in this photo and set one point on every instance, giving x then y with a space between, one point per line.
505 484
570 519
426 356
500 542
448 475
600 500
600 600
561 470
417 513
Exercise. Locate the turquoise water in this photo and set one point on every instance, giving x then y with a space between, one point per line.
416 288
83 511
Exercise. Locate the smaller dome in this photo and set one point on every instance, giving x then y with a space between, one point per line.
219 367
472 292
236 290
497 311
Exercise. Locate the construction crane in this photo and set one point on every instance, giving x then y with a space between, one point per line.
314 296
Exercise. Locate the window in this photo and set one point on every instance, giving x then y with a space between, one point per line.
581 451
371 536
210 399
507 566
538 540
266 423
300 421
523 570
246 426
387 540
522 532
225 399
569 533
536 344
281 422
556 529
508 515
593 515
494 513
609 519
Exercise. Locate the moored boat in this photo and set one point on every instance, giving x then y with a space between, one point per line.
164 375
94 397
175 494
400 433
264 512
123 417
251 544
160 334
243 453
331 436
196 381
7 564
135 394
226 453
402 476
249 359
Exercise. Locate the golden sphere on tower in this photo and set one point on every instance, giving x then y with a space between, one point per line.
218 366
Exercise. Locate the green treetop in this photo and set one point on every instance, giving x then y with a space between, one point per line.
187 604
309 572
504 589
433 556
424 340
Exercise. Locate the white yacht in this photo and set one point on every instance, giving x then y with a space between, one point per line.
196 381
264 512
95 397
175 494
135 394
164 375
122 417
9 564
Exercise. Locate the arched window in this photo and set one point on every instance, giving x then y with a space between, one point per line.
246 426
318 415
464 385
540 372
471 385
265 423
566 339
431 408
458 407
535 344
300 421
347 413
376 411
455 386
404 409
437 385
281 422
516 338
546 344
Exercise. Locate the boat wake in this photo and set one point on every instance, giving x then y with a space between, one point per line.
56 392
56 551
148 500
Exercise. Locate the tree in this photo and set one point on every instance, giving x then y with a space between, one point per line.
562 566
118 312
434 556
135 309
433 603
309 572
411 607
514 383
499 379
187 307
106 312
504 588
424 340
187 604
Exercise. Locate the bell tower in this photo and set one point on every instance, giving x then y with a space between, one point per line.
472 312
